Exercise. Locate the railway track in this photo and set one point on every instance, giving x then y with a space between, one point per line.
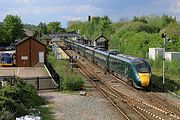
156 102
122 106
130 107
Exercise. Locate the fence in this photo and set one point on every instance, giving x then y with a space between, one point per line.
40 83
54 74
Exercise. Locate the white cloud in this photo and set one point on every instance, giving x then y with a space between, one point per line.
23 1
77 9
86 8
176 7
71 18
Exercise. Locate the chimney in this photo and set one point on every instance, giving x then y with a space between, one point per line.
89 18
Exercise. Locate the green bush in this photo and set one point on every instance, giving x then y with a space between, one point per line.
73 82
156 64
133 43
173 68
17 100
6 115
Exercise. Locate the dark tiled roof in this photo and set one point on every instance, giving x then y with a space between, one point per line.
101 36
20 42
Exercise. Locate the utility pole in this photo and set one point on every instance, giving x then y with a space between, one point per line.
164 48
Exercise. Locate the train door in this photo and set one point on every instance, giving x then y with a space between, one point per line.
126 70
130 76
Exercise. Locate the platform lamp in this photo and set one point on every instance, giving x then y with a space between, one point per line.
164 48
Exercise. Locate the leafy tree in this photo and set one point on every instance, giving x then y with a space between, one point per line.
165 20
1 35
92 29
42 27
53 27
12 28
154 20
73 25
139 27
139 19
32 28
105 23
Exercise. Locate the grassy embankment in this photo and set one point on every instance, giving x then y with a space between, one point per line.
69 81
172 76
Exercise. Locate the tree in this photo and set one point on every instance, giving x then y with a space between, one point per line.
53 27
165 20
105 23
139 19
42 28
1 35
12 29
73 25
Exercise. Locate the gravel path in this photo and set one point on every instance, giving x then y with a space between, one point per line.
75 107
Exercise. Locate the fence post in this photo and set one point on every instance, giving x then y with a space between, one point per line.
59 82
37 83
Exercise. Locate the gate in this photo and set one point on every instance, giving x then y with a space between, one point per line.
40 83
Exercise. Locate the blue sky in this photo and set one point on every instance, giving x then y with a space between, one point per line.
36 11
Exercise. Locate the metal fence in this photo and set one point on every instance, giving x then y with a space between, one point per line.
54 74
40 83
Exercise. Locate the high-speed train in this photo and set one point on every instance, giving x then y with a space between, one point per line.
135 71
6 59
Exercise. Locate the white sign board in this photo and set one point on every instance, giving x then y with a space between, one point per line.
24 57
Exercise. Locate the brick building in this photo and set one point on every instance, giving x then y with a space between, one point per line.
30 52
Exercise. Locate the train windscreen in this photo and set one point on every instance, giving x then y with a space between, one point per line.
141 66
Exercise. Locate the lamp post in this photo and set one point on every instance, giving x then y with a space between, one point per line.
164 47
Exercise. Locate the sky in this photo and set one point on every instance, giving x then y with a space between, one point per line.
36 11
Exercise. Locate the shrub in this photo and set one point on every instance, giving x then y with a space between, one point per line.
156 64
18 99
173 67
73 82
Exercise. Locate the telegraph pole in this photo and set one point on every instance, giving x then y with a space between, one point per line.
164 48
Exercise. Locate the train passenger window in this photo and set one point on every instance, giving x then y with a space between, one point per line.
126 71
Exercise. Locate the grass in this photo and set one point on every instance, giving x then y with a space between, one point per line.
45 113
172 76
70 81
172 83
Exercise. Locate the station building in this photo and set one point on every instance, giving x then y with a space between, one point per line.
30 52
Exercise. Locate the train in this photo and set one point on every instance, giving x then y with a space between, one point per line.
133 70
6 59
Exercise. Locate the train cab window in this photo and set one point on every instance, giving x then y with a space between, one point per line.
141 66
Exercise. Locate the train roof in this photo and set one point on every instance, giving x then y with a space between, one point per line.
120 58
127 56
101 52
90 48
114 52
